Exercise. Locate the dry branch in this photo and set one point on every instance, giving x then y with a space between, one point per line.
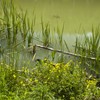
67 53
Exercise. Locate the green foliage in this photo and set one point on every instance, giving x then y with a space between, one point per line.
47 81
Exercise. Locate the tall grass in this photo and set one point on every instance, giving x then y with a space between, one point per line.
45 33
90 47
16 24
60 36
16 28
60 42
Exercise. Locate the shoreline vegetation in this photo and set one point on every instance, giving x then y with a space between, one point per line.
57 73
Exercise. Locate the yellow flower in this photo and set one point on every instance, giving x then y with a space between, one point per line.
11 70
30 79
26 70
1 63
57 65
14 76
45 82
59 70
21 82
66 66
6 65
36 80
91 83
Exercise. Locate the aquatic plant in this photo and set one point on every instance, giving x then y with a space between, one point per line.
45 33
90 48
60 42
16 30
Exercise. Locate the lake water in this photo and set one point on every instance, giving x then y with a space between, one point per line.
77 15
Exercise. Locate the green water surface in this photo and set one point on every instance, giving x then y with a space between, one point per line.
77 15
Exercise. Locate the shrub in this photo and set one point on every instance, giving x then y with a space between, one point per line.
47 81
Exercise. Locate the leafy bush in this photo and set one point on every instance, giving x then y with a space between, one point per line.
47 81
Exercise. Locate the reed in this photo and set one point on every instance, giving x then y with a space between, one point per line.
60 36
45 33
6 14
90 47
16 29
60 42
